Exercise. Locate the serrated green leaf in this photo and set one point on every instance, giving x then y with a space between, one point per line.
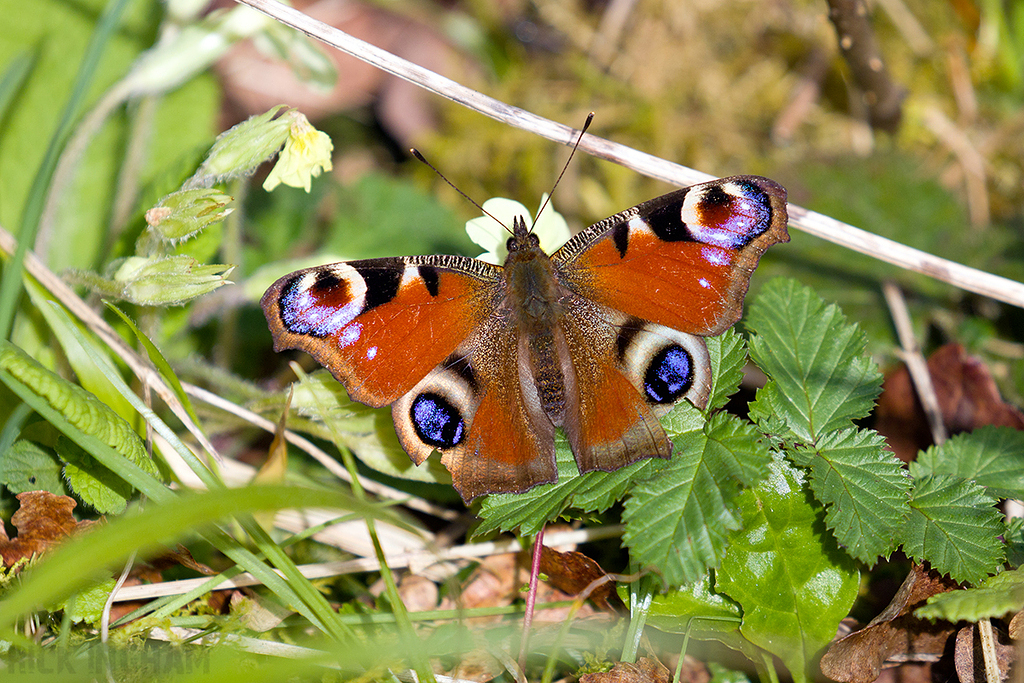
88 604
679 521
728 354
92 482
1013 537
791 581
820 378
865 490
954 526
997 596
83 410
591 492
990 456
529 512
27 466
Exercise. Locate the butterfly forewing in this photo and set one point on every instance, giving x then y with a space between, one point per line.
684 259
381 325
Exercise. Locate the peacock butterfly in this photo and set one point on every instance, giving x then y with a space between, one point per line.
483 362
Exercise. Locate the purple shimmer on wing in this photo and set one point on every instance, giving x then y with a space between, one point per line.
302 314
350 335
732 224
716 256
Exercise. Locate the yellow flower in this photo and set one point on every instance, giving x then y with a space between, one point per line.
306 153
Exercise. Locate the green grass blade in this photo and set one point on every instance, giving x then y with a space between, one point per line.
10 284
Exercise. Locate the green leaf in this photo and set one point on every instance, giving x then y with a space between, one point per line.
1014 539
997 596
820 378
699 612
81 409
88 605
531 511
92 482
728 355
679 521
791 581
990 456
590 492
953 525
27 466
865 489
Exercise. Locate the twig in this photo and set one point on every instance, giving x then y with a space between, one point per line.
857 44
916 364
834 231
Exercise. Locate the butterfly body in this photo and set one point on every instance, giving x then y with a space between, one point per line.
484 362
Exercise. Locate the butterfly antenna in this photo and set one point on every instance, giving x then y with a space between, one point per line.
416 153
586 125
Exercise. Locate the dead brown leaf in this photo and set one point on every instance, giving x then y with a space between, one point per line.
970 665
477 665
644 671
43 520
571 572
968 398
418 593
860 656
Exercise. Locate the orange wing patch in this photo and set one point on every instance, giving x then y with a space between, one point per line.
379 326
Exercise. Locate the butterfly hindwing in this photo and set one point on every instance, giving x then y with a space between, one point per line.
626 372
380 325
682 260
485 419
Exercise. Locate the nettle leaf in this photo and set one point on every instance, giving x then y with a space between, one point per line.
786 572
820 378
28 466
997 596
80 408
865 489
1013 537
590 492
91 481
728 355
529 512
679 521
990 456
953 525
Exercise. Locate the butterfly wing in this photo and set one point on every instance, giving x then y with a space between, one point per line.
381 325
622 374
682 260
421 334
483 414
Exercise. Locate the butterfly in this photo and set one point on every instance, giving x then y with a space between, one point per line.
483 362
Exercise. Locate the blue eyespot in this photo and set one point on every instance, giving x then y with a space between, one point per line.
436 421
669 376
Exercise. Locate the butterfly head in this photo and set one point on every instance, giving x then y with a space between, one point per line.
523 238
